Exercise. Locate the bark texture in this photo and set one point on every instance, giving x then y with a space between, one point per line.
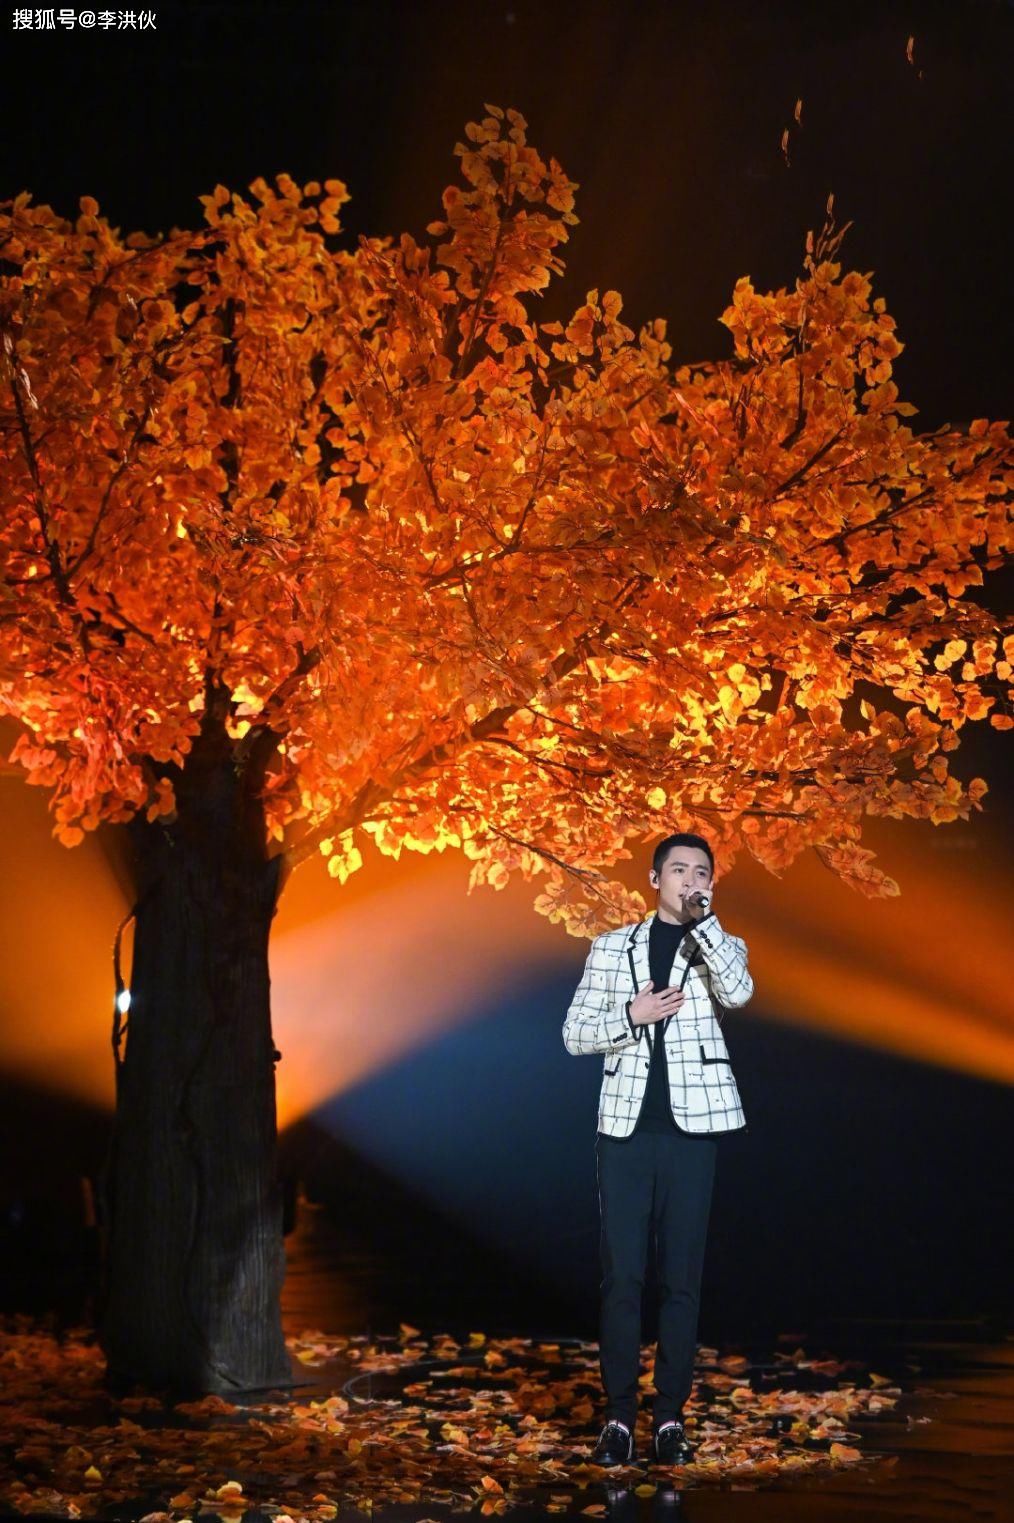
195 1256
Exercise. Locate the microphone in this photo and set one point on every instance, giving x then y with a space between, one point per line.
700 900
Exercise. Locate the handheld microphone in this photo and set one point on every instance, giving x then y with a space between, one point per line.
701 900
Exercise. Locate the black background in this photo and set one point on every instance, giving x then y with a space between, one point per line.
869 1183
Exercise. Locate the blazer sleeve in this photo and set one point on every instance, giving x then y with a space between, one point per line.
726 958
593 1023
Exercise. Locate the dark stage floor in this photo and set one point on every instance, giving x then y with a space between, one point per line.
870 1420
492 1406
944 1450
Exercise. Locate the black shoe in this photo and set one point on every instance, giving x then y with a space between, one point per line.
615 1445
670 1446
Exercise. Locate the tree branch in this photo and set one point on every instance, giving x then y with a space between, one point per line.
797 476
308 659
586 876
53 556
89 546
466 351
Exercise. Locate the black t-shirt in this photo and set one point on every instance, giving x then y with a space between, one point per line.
656 1111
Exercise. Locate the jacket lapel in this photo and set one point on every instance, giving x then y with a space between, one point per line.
637 961
686 956
637 955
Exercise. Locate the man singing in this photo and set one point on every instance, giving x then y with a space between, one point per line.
649 1001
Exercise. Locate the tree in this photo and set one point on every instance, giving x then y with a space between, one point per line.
303 544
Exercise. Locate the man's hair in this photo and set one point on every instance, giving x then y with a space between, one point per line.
682 838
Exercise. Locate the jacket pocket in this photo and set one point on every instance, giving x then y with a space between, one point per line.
725 1059
607 1073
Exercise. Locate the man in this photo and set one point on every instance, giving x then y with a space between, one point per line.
649 1001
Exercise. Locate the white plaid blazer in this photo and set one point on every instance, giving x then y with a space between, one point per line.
702 1089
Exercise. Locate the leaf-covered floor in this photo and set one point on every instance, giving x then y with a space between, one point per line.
484 1423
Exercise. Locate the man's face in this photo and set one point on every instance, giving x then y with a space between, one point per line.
686 867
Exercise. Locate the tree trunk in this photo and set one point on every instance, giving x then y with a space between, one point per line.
195 1256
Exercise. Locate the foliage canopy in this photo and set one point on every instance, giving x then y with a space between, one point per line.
457 577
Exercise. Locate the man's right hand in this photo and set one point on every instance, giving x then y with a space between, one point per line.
647 1007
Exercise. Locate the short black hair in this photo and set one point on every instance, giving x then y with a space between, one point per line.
682 838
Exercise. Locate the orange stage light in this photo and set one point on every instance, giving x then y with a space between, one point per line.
364 973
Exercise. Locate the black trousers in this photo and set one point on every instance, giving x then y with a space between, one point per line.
652 1183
